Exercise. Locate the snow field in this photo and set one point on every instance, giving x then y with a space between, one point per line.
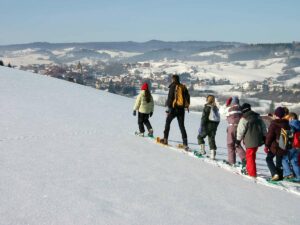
68 156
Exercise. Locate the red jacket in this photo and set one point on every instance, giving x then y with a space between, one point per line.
274 134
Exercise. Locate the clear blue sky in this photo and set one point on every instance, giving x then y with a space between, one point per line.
250 21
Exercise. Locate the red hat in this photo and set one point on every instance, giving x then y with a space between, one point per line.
144 87
228 101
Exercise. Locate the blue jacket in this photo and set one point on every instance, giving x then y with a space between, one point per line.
295 125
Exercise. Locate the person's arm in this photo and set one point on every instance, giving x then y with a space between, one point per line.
271 136
171 96
152 104
205 115
137 103
241 129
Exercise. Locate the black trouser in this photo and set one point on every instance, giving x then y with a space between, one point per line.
209 130
143 119
179 113
274 169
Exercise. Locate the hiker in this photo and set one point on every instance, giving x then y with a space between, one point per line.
291 158
233 115
178 100
144 105
209 123
252 131
273 149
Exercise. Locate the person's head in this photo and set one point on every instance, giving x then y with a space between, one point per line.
210 99
175 79
286 111
279 112
246 107
293 116
145 86
235 100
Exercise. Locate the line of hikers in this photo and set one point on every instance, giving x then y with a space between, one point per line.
279 132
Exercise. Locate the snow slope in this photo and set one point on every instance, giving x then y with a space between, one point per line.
68 156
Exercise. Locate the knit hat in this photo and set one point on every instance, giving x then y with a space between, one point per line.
144 87
235 100
246 107
228 101
280 112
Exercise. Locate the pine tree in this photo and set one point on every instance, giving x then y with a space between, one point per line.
1 63
9 65
272 107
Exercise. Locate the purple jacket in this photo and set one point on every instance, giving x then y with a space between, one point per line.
233 114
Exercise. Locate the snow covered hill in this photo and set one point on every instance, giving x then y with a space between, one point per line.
68 156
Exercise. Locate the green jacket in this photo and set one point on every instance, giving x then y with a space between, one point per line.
142 105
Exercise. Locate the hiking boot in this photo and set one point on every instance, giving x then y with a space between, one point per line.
202 149
150 133
186 148
275 177
289 177
213 154
139 134
164 141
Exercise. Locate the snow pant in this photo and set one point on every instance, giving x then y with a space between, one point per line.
232 149
210 132
250 161
291 158
179 113
144 119
274 169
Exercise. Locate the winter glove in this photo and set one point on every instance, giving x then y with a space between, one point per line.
151 114
188 110
169 110
238 143
266 149
134 113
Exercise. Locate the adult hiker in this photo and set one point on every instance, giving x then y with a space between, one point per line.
178 100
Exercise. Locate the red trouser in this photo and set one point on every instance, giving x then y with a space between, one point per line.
250 159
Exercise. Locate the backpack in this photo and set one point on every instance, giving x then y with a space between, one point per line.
182 96
285 140
296 140
214 114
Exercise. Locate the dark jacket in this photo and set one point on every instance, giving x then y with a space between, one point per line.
171 95
274 134
207 125
251 129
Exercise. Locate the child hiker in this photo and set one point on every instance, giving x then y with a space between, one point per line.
209 123
252 130
144 105
293 153
233 114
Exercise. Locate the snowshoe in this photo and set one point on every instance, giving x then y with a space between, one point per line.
184 147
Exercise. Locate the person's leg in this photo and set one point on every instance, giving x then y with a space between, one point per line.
180 118
270 163
140 122
286 165
169 119
279 166
147 122
212 139
251 164
231 145
295 164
